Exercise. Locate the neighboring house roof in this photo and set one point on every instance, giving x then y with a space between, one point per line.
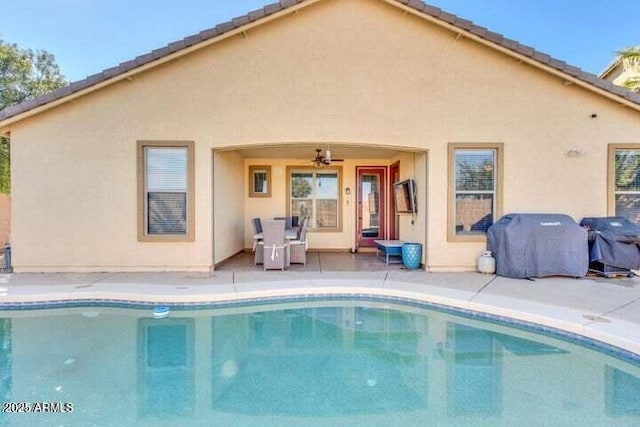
237 25
614 66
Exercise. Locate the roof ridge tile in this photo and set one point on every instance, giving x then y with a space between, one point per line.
479 30
143 59
556 63
129 65
541 57
572 70
254 15
288 3
110 72
526 50
95 78
177 45
209 33
272 8
191 40
159 53
416 4
494 37
448 17
432 10
224 27
240 20
465 24
510 44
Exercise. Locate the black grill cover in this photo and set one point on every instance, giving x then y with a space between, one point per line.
538 245
613 241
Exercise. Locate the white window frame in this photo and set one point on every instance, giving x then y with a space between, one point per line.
330 169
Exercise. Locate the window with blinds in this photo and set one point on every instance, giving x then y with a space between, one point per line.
167 197
166 179
474 189
626 191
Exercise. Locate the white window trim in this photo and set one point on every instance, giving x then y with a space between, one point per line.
336 169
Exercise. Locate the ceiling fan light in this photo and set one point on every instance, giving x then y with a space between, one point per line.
327 155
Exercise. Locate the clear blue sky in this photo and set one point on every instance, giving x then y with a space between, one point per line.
87 36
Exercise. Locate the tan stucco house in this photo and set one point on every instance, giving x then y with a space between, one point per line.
160 163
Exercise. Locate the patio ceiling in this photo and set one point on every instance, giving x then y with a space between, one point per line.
308 151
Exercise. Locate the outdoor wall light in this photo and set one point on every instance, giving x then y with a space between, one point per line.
574 152
347 191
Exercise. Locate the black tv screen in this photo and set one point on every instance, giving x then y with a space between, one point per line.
405 196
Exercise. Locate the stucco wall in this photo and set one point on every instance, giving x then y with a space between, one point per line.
360 72
5 219
229 204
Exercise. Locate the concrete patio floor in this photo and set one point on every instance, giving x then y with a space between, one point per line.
604 309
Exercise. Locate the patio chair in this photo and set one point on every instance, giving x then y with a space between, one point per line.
298 247
274 245
287 221
258 244
257 225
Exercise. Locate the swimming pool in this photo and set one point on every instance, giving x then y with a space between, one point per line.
311 362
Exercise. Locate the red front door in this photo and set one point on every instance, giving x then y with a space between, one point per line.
370 208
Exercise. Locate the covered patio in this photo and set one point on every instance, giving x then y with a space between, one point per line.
344 189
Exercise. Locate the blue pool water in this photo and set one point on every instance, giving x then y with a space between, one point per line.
311 363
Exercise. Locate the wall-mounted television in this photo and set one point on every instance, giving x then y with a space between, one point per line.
404 193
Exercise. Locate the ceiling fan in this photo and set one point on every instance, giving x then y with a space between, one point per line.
321 161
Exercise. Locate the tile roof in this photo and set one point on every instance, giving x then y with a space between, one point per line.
458 24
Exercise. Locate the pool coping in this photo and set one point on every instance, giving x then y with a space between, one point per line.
468 292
